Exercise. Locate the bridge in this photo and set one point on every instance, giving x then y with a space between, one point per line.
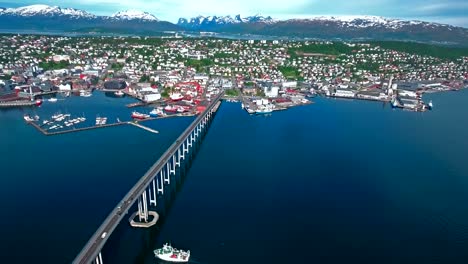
146 189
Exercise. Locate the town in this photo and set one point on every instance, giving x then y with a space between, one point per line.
179 75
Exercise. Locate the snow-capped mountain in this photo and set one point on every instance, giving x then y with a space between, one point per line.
134 15
332 27
44 18
45 10
202 22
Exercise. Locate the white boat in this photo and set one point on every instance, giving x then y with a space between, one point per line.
170 254
119 93
52 100
85 93
28 118
176 97
264 109
101 120
430 105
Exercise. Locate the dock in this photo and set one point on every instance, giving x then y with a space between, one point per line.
143 127
47 133
136 104
17 103
133 123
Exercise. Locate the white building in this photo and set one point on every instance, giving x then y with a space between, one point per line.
291 84
58 58
66 87
151 97
271 91
344 93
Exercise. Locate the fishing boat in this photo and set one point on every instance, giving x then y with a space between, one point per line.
170 254
137 115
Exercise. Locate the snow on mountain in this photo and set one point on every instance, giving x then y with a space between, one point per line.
134 14
223 20
362 21
45 10
342 21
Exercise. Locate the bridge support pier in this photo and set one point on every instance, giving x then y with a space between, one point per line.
173 164
98 259
160 183
179 157
143 214
152 193
167 178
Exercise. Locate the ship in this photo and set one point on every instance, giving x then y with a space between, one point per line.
171 109
38 102
52 100
28 118
119 93
85 93
170 254
264 109
176 97
156 112
429 105
137 115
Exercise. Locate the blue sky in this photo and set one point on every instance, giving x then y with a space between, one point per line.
453 12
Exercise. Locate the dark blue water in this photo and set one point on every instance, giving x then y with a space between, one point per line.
338 181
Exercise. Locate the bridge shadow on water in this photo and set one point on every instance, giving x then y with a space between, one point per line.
135 245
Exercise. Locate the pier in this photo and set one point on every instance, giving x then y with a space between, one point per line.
152 183
17 103
143 127
133 123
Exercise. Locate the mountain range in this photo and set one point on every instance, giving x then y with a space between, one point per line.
43 18
54 18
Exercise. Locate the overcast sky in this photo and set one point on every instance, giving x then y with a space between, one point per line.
453 12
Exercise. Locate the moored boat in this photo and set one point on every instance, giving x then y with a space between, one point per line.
170 254
137 115
171 108
119 93
28 118
264 109
429 105
176 97
154 113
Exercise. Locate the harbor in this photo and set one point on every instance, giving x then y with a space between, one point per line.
46 132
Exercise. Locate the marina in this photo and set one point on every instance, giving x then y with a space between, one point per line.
98 126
